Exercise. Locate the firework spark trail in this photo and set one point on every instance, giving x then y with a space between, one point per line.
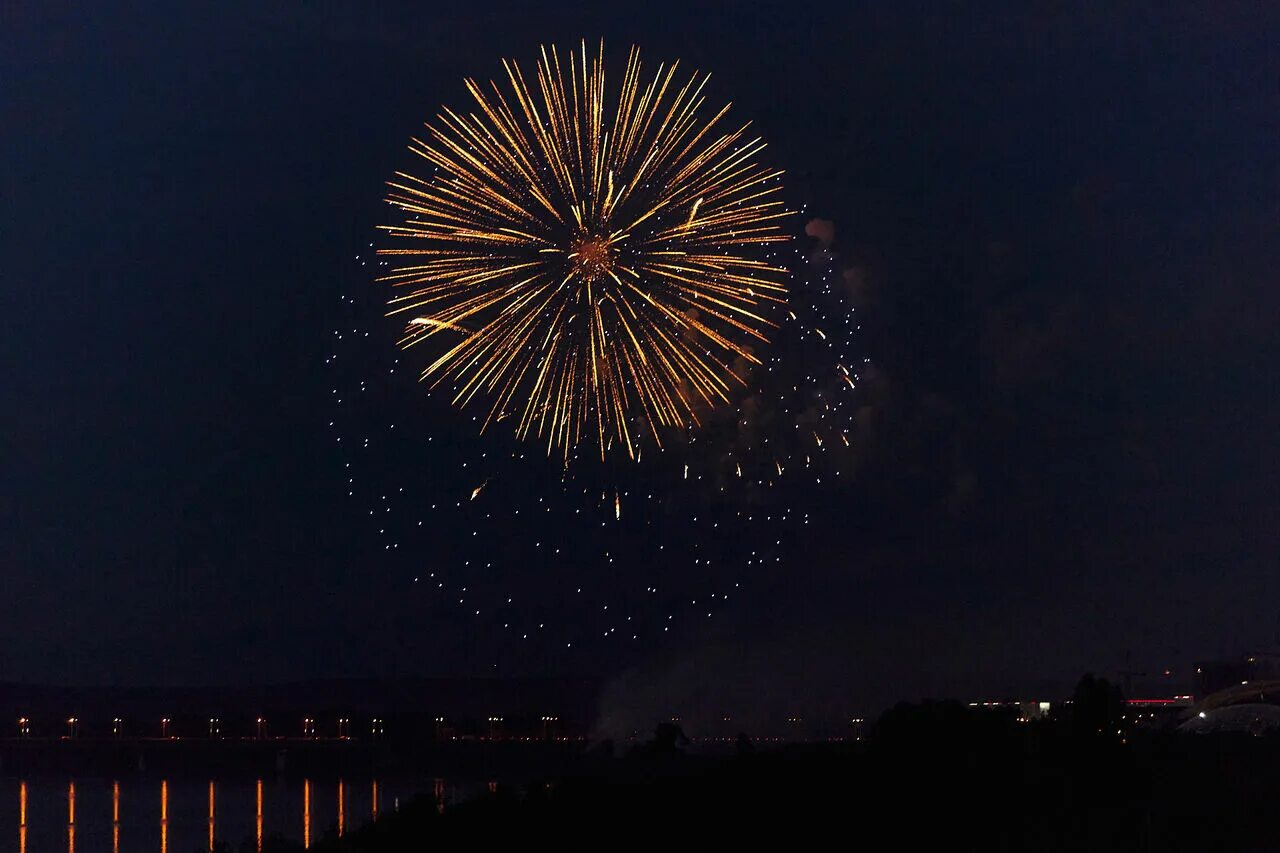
593 267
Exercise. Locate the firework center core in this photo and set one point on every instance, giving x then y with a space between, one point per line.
592 258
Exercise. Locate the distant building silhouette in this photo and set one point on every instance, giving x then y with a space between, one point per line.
1214 675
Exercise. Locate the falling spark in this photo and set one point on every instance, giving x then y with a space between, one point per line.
475 493
688 226
432 321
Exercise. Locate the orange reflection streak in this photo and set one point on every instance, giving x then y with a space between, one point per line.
375 799
306 813
259 816
211 815
341 809
22 817
164 817
115 817
71 817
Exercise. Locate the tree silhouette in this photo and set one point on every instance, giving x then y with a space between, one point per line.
1097 709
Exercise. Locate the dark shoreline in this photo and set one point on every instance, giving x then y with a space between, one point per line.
281 758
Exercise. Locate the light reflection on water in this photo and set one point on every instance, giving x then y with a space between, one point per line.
71 817
164 817
212 813
306 813
185 814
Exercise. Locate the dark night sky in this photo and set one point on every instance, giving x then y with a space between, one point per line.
1062 231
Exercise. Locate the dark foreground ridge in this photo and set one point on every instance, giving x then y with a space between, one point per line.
941 773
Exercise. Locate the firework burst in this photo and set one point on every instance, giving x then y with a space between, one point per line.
592 264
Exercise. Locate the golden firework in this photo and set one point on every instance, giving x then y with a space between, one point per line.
592 264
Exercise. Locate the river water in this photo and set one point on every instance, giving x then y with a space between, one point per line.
93 815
